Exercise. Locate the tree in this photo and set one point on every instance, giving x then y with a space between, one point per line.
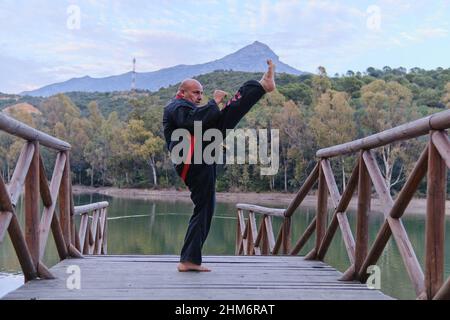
332 122
117 159
387 69
293 139
320 84
94 151
298 92
95 156
446 96
143 145
351 85
388 104
62 119
262 116
376 73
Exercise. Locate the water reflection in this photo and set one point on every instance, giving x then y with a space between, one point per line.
158 227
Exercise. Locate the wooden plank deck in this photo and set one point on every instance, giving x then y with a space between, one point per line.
232 278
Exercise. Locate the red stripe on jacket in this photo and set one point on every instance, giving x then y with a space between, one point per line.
189 157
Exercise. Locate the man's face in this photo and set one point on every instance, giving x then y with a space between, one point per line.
193 92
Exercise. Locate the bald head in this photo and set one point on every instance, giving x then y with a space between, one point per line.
191 90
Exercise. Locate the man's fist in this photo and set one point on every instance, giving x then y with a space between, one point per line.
219 95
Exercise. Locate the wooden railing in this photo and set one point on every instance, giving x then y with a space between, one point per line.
29 176
253 239
92 234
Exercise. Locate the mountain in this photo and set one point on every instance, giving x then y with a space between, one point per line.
251 58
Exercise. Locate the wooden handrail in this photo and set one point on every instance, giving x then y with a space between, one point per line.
79 210
262 210
420 127
19 129
29 175
433 161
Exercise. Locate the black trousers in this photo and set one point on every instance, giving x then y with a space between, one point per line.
201 178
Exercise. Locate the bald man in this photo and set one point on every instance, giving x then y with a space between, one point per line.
200 178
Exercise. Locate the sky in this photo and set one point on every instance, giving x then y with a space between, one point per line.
48 41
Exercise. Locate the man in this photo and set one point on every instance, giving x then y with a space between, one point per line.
200 178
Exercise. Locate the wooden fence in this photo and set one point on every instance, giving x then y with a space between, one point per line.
29 177
252 239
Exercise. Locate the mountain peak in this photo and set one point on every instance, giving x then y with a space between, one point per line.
260 44
251 58
257 49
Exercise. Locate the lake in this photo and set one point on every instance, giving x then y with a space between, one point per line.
158 227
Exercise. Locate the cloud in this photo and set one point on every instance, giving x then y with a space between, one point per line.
432 32
73 46
167 48
419 35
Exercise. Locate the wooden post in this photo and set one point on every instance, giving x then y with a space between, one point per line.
94 229
264 244
23 253
48 214
61 245
269 234
73 252
31 199
72 208
240 242
444 292
43 185
362 224
250 245
43 272
278 241
238 238
435 222
322 207
286 235
101 228
20 172
339 216
253 250
88 235
375 252
398 230
105 234
64 203
6 209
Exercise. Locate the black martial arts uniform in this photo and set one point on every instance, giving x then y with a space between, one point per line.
201 178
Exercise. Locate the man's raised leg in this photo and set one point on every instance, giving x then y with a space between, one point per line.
246 97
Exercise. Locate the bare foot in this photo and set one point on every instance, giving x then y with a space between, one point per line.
268 79
189 266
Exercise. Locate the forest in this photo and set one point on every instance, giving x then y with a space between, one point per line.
117 137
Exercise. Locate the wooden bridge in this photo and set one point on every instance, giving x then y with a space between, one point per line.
263 268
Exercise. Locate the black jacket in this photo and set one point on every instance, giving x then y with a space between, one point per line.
180 113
